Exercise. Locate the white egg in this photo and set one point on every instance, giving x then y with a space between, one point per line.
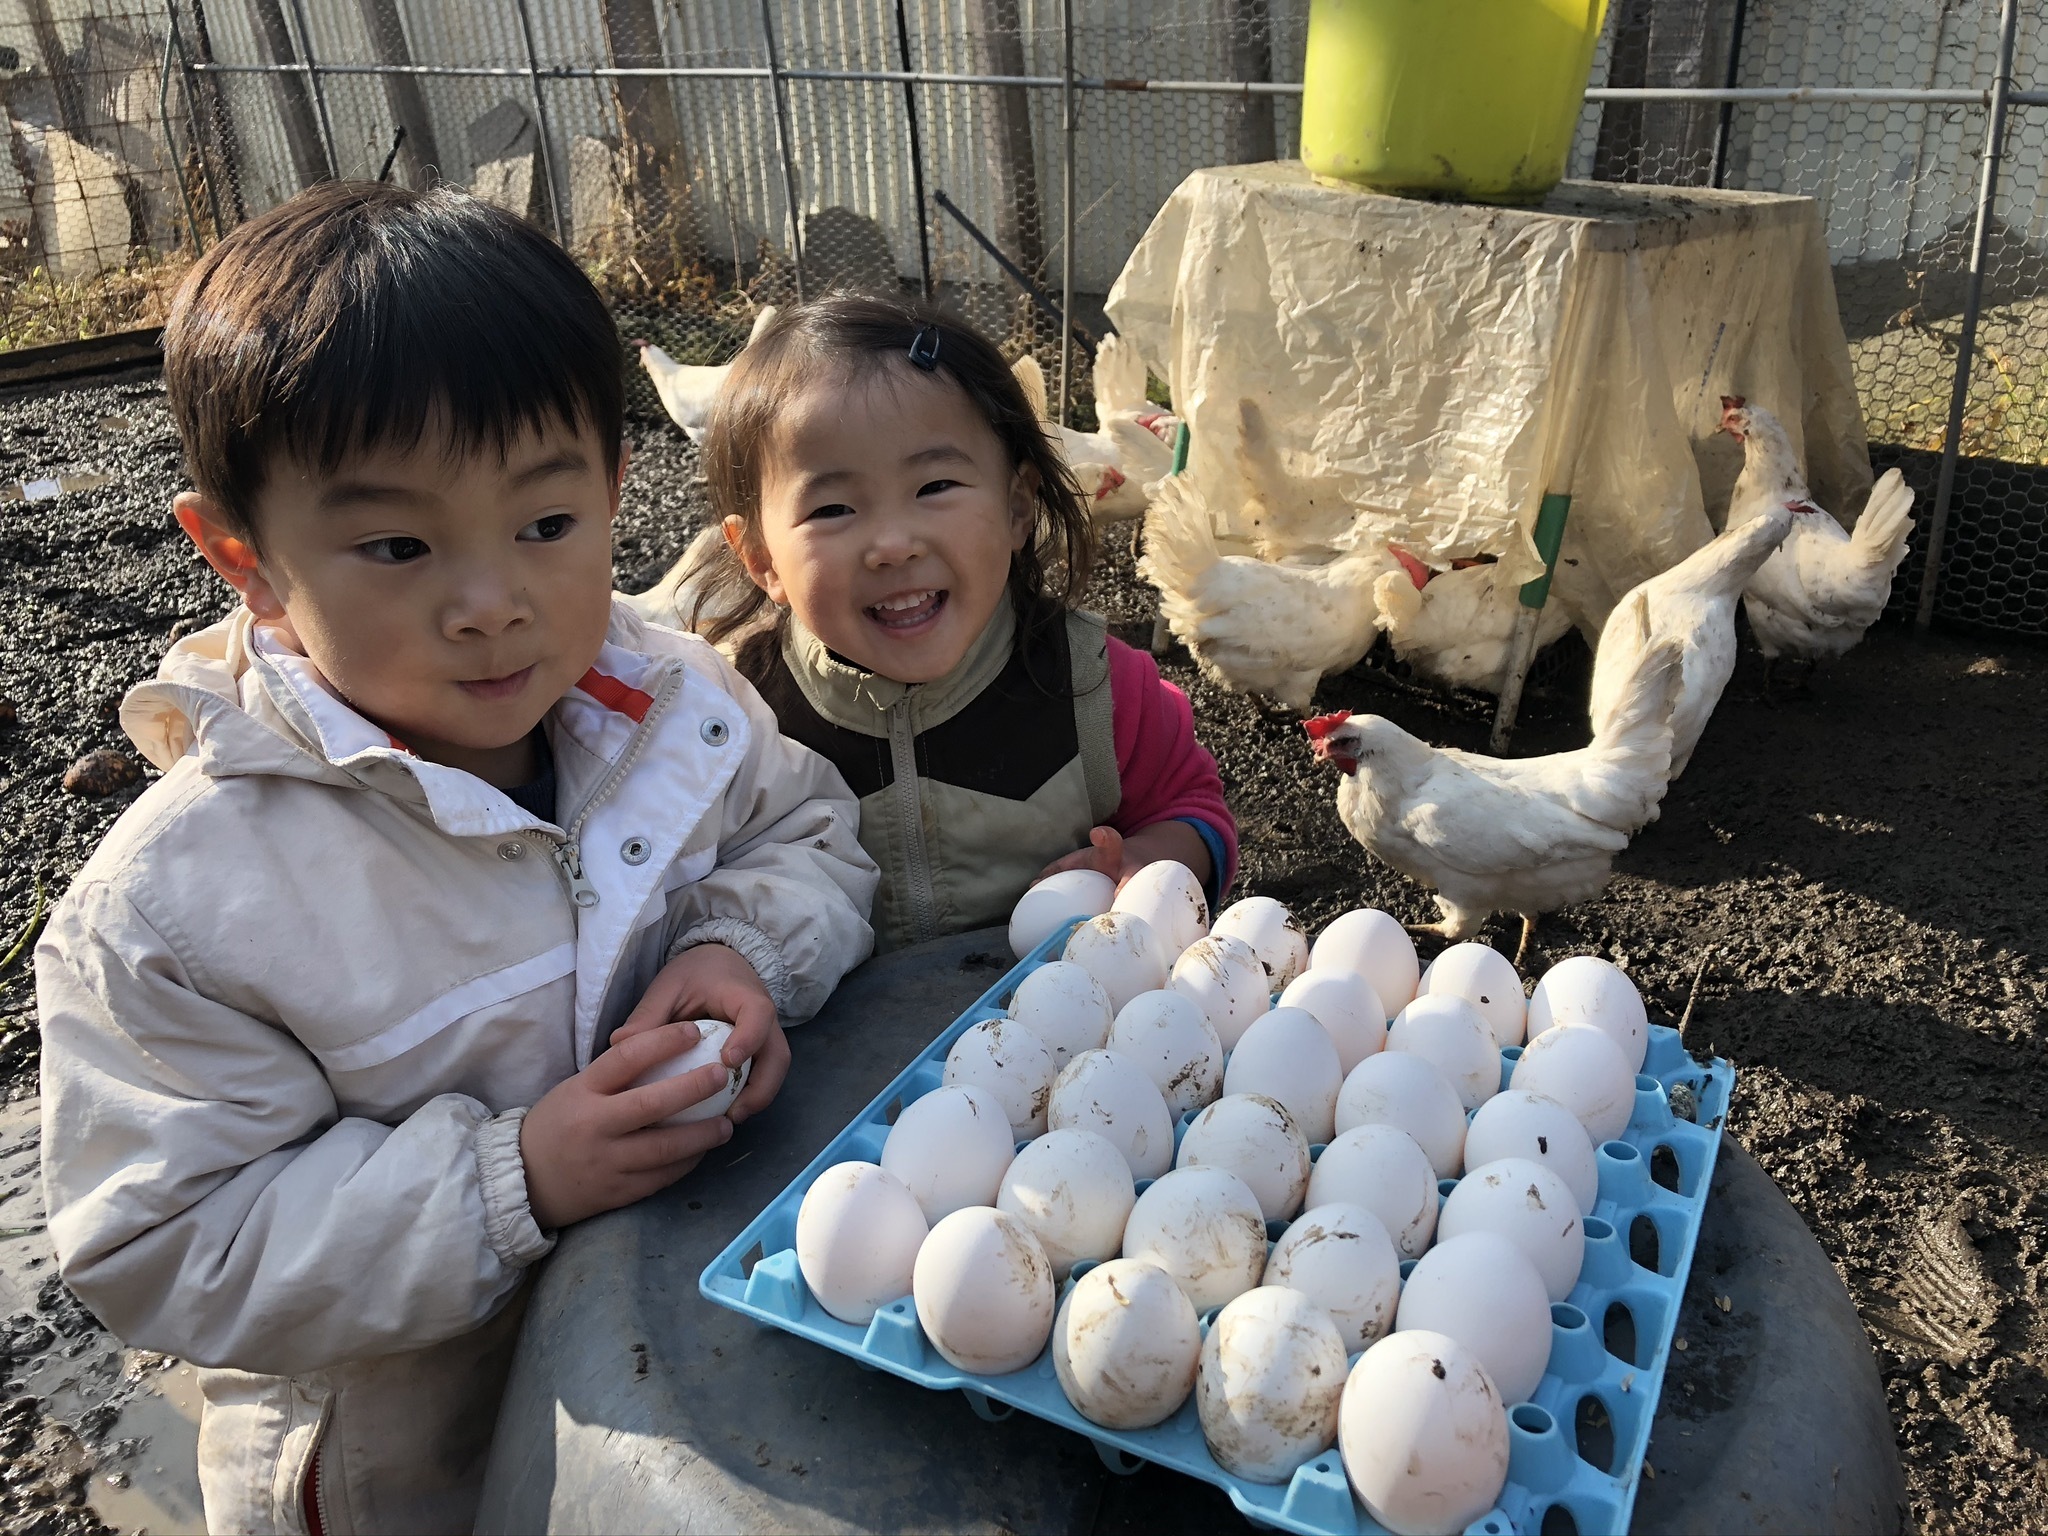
857 1236
1012 1063
1074 1191
1287 1055
1255 1138
951 1148
711 1037
1581 1067
1272 932
1376 946
1401 1089
1486 979
984 1291
1224 978
1531 1207
1125 1345
1345 1004
1120 950
1271 1377
1065 1007
1170 1037
1112 1096
1203 1227
1449 1033
1424 1435
1482 1290
1169 897
1381 1168
1523 1124
1056 898
1340 1258
1588 990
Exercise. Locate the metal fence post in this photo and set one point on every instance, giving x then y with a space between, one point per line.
1966 343
319 91
924 234
1066 206
1733 78
540 119
796 223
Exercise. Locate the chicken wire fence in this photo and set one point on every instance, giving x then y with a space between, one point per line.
706 157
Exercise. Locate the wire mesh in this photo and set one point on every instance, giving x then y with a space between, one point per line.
697 196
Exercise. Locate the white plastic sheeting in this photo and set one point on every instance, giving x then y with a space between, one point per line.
1354 366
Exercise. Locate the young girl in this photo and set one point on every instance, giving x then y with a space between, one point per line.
883 481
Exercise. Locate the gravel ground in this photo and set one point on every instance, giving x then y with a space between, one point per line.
1863 874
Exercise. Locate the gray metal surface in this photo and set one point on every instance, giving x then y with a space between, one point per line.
635 1405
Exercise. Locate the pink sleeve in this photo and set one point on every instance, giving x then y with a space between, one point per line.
1167 775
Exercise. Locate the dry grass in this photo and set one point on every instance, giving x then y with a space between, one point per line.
1905 377
37 309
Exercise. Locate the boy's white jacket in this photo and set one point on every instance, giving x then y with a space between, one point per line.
296 1004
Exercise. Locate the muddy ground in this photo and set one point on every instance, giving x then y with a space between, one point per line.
1863 871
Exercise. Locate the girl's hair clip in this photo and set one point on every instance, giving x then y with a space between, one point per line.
924 348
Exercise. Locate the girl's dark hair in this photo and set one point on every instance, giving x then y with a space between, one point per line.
854 339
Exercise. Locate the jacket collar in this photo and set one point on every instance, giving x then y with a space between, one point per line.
858 700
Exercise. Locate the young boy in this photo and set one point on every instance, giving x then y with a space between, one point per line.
326 1017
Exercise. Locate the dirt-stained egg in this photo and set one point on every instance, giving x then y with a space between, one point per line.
1271 1378
1169 1036
1589 990
1581 1067
1065 1007
1424 1435
1341 1258
1056 898
1203 1227
1375 945
1531 1207
1288 1056
1255 1138
1224 978
1120 950
857 1235
1273 934
1012 1063
1169 897
1401 1089
1345 1004
1112 1096
1481 1289
1381 1168
1125 1345
1518 1123
950 1148
711 1037
1075 1191
984 1291
1449 1033
1486 979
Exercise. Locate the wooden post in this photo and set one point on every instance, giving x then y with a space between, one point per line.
1020 228
647 112
294 101
57 64
220 130
419 154
1249 44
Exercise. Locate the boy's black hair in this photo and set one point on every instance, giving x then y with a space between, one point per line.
360 315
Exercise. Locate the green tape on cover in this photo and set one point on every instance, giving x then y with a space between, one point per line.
1549 539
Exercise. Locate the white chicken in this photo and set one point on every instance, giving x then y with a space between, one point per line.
1525 835
1453 626
673 600
1258 626
1134 446
1692 604
688 390
1815 597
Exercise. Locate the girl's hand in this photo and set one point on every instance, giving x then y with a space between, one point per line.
714 982
1110 853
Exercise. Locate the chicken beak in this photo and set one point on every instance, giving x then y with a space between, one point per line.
1319 730
1731 422
1112 478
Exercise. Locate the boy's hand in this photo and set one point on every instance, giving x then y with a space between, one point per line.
1119 857
714 982
593 1142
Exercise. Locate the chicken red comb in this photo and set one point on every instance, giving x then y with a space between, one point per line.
1322 725
1417 571
1733 402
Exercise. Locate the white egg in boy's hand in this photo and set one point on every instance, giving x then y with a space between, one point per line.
712 1035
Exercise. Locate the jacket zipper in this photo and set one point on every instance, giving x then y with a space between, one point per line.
924 903
567 850
315 1499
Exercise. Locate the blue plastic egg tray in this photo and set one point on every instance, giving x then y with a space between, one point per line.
1578 1443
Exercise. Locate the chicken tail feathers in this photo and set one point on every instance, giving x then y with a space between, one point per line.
1119 378
1397 600
1032 378
1879 537
1629 761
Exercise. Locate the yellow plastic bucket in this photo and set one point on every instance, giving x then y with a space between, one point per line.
1447 98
